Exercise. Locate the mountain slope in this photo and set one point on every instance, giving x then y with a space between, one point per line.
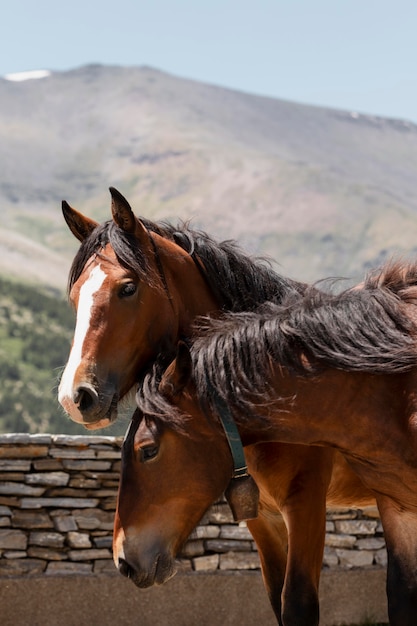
324 192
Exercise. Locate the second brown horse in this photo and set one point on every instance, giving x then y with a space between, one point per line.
338 372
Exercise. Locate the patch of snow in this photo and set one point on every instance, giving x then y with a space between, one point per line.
34 74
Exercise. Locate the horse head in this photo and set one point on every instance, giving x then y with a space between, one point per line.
124 311
169 478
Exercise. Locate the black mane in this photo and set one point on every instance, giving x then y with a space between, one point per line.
364 330
239 282
397 276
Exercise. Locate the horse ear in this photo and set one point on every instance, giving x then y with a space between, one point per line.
123 215
178 373
80 226
122 211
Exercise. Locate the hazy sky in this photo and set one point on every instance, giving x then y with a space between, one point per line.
357 55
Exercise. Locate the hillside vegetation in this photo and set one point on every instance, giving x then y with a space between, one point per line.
35 334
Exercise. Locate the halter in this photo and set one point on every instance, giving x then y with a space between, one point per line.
160 266
242 493
240 468
187 243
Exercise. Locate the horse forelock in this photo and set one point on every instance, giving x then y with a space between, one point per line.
155 405
127 248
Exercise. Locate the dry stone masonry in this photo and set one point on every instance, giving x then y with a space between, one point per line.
57 501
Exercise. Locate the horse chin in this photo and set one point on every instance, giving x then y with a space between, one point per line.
163 570
103 423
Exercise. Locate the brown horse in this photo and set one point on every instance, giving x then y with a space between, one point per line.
137 288
339 372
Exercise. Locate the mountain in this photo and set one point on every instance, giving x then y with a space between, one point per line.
322 191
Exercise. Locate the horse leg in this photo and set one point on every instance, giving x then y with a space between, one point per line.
294 480
270 535
304 512
292 591
400 531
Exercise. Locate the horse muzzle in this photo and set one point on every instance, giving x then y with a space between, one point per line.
161 569
85 405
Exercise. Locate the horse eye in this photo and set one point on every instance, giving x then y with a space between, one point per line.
147 453
126 290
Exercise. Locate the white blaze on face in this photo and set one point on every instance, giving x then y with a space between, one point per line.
118 545
85 305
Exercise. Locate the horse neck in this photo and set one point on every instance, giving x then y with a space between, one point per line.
226 279
187 289
239 282
344 410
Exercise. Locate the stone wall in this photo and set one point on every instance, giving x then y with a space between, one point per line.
57 500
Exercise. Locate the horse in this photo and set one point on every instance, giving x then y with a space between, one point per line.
339 373
137 287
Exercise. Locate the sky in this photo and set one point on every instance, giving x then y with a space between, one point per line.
357 55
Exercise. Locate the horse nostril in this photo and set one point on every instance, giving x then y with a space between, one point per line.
125 569
86 397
